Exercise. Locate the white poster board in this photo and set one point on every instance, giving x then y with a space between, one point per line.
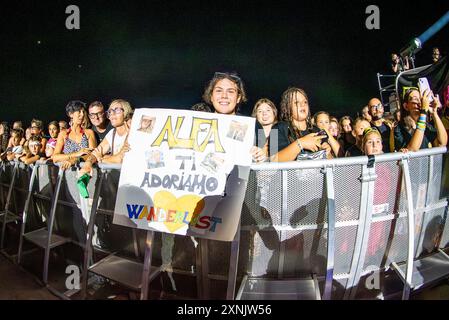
186 173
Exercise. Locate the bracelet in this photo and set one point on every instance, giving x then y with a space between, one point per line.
422 117
421 126
299 144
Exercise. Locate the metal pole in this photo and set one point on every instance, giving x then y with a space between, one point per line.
25 211
88 251
147 265
8 201
233 264
330 233
411 230
51 221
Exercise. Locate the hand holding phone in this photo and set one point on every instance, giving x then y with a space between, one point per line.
423 85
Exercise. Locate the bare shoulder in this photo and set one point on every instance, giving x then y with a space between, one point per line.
89 132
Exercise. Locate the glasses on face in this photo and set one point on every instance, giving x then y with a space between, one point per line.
110 112
377 106
34 127
96 115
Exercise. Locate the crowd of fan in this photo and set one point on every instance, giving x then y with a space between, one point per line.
289 133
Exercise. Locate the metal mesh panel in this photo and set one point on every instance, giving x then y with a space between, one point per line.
398 240
263 259
347 192
431 232
305 252
344 248
378 244
419 171
387 188
433 194
263 200
306 202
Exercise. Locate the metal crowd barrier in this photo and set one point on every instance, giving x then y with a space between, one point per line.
333 222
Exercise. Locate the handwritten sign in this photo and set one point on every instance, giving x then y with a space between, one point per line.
186 173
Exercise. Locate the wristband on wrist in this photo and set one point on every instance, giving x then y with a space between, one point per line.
421 125
422 118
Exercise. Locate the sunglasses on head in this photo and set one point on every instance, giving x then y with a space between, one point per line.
226 75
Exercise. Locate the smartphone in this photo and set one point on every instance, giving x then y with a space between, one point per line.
323 133
423 85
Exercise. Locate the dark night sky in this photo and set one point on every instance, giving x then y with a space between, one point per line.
161 53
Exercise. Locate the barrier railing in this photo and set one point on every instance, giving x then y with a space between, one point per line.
388 212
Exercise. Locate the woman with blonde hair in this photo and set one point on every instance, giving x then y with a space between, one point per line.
113 147
266 114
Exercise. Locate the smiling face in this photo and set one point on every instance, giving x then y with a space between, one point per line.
225 96
376 109
97 115
299 107
265 114
373 144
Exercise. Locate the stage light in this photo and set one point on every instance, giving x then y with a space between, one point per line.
411 49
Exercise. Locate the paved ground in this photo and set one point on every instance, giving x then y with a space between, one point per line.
16 284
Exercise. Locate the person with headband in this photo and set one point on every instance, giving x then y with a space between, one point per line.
34 154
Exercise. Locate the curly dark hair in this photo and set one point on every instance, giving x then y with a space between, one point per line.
231 76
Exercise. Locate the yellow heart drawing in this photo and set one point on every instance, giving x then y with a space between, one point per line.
166 201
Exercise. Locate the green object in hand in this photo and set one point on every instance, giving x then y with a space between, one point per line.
82 185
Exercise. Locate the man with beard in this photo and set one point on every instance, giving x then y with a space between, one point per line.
376 111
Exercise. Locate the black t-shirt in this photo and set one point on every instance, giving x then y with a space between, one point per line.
353 151
284 132
402 137
99 136
385 133
279 130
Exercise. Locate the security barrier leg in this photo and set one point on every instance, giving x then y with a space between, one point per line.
410 229
7 204
147 265
327 295
51 221
233 264
88 250
25 211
